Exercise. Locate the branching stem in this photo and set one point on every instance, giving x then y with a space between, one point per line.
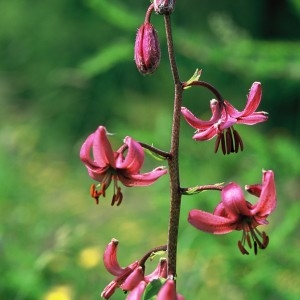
175 200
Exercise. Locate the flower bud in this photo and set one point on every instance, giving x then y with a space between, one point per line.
164 7
147 49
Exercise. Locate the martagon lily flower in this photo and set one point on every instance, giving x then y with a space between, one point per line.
131 278
235 213
224 116
107 165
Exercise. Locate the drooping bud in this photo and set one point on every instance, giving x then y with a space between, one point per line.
147 49
164 7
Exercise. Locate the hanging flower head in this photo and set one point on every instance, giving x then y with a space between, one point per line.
131 278
235 213
107 165
224 116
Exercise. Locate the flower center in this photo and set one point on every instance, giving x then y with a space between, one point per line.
251 235
104 184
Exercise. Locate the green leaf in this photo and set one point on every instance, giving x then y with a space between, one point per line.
154 155
153 288
195 77
154 254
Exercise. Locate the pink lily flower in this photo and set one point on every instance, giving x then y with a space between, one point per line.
224 116
235 213
107 165
131 278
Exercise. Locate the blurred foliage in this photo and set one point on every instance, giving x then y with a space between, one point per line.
67 66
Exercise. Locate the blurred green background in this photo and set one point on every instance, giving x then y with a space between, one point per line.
66 67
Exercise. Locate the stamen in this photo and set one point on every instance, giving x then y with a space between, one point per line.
223 143
242 248
248 240
238 141
94 193
229 141
103 189
119 196
255 248
217 144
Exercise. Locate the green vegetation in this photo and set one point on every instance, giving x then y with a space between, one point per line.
67 67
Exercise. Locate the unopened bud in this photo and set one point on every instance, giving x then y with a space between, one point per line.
164 7
147 49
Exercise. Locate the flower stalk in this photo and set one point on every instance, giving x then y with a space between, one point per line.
173 161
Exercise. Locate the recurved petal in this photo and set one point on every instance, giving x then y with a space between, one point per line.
102 150
109 290
267 200
210 223
134 158
207 134
141 179
256 117
136 276
110 258
234 201
97 174
195 122
159 272
85 150
220 210
253 100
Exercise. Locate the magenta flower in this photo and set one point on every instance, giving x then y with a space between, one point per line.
131 278
224 116
235 213
107 165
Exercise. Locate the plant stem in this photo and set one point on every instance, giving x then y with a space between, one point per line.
175 193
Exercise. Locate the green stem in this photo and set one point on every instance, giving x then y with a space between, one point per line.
175 201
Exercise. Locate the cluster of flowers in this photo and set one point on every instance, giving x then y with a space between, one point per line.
132 278
233 212
124 165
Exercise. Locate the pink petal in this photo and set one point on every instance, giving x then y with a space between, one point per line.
159 272
137 292
252 104
134 158
253 100
220 210
109 290
167 291
256 117
234 201
210 223
85 150
97 174
110 258
141 179
198 123
206 135
133 279
267 200
102 150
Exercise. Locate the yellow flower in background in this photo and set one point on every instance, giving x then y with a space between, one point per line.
59 293
89 257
